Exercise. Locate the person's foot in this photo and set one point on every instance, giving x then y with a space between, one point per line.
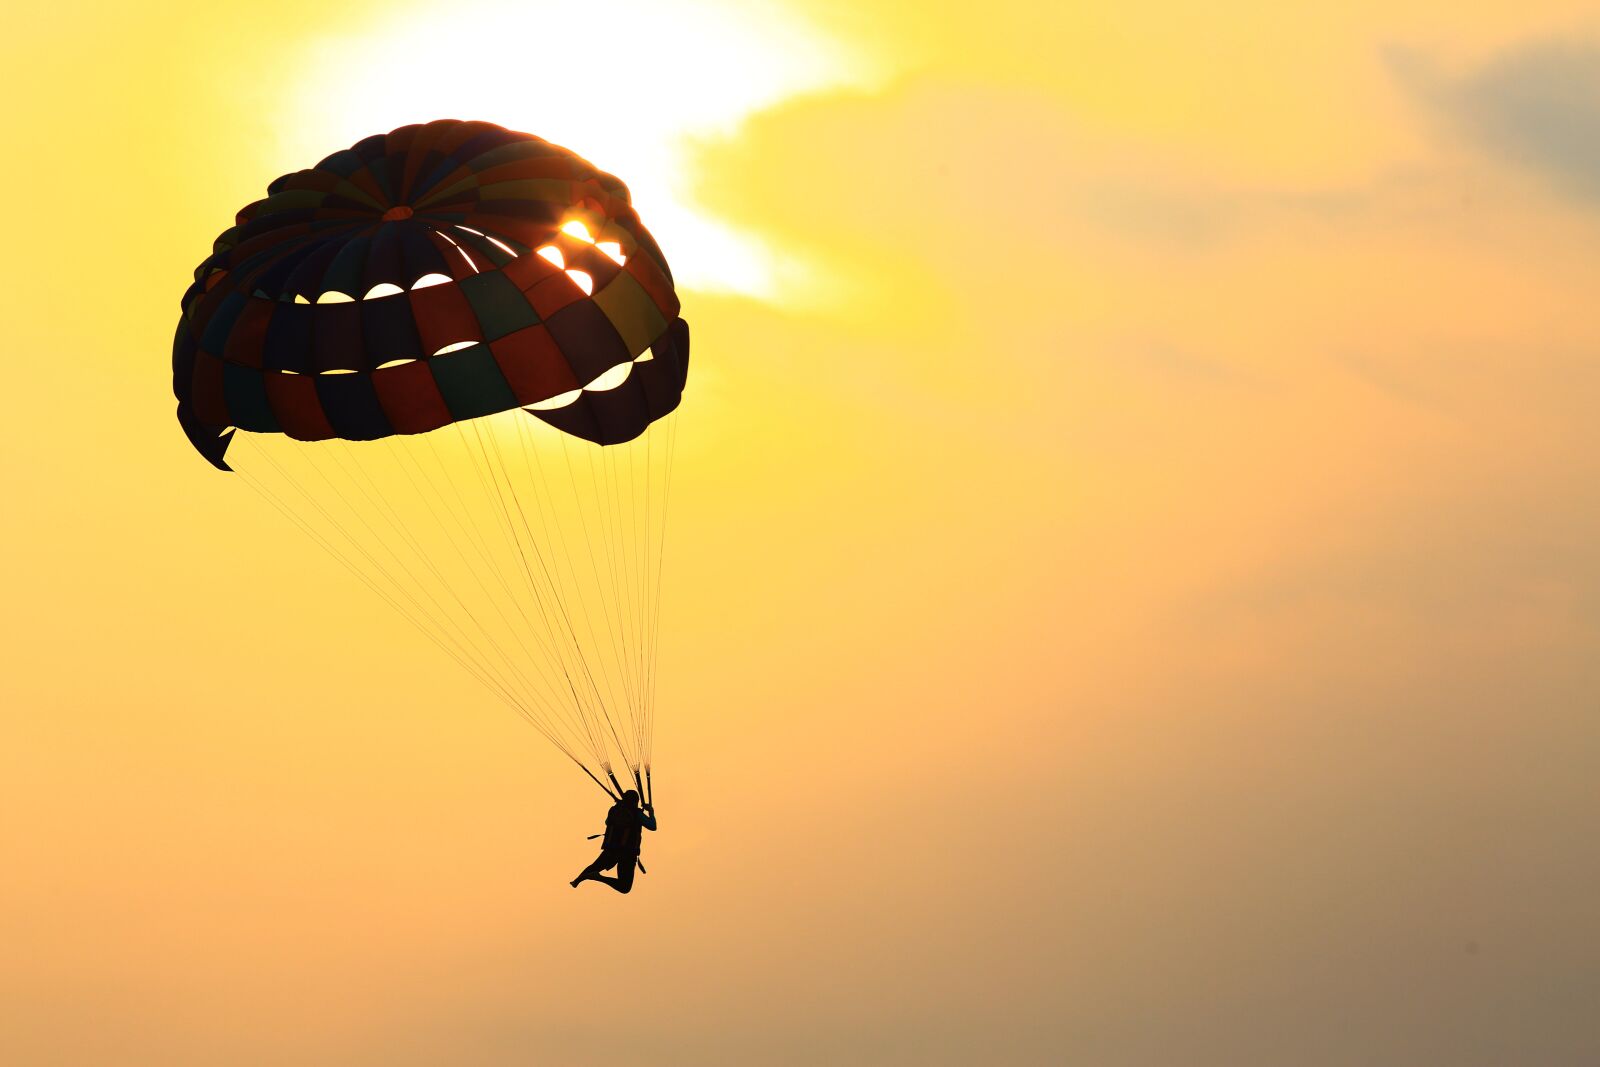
576 880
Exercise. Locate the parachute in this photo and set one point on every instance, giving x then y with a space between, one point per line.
451 355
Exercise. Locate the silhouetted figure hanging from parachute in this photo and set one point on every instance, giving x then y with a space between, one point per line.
625 823
397 312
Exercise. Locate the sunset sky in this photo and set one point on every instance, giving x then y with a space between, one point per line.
1132 594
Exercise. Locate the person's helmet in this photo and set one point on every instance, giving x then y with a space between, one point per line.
631 796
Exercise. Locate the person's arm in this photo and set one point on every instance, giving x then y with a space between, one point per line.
648 818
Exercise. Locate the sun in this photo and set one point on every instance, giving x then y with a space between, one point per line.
628 85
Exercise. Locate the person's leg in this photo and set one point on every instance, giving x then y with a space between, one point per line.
604 862
624 879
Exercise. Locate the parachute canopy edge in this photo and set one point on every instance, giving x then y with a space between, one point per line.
210 441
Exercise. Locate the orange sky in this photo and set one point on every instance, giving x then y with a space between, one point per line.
1131 595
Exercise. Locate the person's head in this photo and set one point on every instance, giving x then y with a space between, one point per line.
631 798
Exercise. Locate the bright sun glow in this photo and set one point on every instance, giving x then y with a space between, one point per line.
630 99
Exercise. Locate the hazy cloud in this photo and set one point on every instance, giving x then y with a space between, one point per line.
1537 106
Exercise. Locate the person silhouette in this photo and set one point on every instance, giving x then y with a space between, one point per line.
620 847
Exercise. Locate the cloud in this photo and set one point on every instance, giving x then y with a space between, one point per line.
1537 106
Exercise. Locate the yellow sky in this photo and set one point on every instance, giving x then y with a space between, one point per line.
1131 595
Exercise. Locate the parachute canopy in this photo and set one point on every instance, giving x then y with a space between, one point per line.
434 274
419 292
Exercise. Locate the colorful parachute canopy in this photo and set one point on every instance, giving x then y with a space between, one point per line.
424 277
